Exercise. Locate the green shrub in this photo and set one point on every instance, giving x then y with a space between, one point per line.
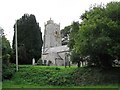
57 68
8 71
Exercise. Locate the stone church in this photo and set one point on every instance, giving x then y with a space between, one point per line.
54 53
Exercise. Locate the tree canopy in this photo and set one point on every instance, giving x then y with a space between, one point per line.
73 32
8 69
6 50
99 35
69 34
29 39
65 35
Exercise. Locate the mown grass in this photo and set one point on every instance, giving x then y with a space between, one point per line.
30 76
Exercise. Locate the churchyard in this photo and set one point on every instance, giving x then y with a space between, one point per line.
36 62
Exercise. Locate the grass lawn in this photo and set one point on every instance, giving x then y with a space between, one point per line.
10 84
30 76
37 87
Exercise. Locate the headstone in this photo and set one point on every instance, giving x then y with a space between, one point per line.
33 61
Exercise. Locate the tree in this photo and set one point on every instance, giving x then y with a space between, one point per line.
8 69
75 58
65 34
69 34
29 39
73 34
6 50
99 35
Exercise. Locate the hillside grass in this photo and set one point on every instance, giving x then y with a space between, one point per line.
30 76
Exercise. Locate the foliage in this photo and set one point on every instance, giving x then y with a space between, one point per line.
73 34
61 76
96 76
75 58
68 34
99 35
66 31
7 68
73 30
29 39
8 71
6 49
43 75
65 34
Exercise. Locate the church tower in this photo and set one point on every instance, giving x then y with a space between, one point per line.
53 51
52 35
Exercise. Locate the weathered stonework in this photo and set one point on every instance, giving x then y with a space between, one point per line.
53 51
52 36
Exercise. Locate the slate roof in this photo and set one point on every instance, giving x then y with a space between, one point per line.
58 49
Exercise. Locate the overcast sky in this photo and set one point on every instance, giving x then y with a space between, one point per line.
61 11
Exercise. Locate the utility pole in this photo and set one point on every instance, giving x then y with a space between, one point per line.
16 46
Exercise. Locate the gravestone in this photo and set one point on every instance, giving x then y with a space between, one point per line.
33 61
